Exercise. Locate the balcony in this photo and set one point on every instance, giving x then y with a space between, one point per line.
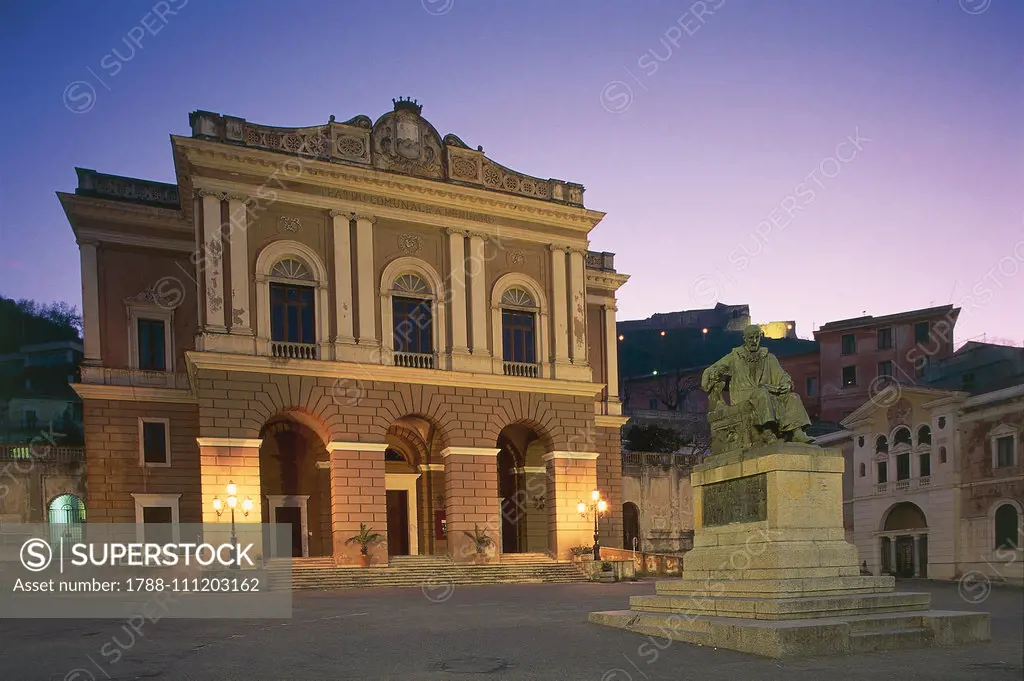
415 360
42 453
597 260
634 462
924 481
902 485
524 369
138 378
293 350
881 488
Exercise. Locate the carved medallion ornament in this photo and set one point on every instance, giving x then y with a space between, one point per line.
900 413
516 257
288 223
410 243
402 141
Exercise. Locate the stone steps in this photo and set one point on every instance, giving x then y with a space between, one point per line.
891 639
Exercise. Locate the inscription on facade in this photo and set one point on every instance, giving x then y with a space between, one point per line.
742 500
388 202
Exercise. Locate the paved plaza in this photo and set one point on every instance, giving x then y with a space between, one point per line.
497 632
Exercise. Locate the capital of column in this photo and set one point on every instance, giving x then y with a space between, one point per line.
339 446
468 451
239 197
334 212
578 251
557 247
608 307
356 216
476 235
203 193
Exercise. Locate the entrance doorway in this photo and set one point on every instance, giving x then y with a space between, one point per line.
904 557
630 527
291 515
398 522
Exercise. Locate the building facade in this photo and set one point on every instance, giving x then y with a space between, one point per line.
937 483
358 322
860 354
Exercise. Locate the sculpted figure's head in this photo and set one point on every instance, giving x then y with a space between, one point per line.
752 337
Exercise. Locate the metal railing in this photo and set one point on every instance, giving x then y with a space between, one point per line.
41 453
293 350
414 360
524 369
659 460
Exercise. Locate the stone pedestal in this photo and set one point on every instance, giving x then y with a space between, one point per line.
771 574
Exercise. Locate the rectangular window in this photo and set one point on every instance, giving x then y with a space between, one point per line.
1004 451
920 366
414 325
926 465
31 418
292 314
154 442
518 340
653 403
922 330
849 376
849 344
812 386
885 339
967 381
903 467
158 521
885 369
152 349
883 471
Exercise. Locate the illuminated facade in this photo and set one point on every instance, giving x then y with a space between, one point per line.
358 322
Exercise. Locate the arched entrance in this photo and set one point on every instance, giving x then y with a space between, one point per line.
631 526
414 484
523 488
65 514
903 543
296 489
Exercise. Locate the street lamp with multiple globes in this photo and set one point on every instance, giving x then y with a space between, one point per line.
232 501
597 507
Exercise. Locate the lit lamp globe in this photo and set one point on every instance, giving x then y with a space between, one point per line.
217 504
232 489
602 506
581 507
595 495
247 505
232 501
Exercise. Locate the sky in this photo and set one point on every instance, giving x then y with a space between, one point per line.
814 159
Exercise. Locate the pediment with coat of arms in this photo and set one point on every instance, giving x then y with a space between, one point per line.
403 141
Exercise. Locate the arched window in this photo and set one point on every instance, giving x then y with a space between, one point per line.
291 301
1007 527
630 526
924 435
863 470
901 436
881 444
518 326
942 455
412 313
65 514
412 321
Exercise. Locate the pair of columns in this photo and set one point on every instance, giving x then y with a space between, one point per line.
918 560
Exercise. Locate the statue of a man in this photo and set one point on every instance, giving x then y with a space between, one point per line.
756 377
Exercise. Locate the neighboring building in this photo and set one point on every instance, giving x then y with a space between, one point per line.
935 483
36 396
657 502
976 365
720 317
381 326
859 353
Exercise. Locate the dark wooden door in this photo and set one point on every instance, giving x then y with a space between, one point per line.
291 515
904 556
398 522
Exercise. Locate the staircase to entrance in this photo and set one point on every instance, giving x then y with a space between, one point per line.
432 572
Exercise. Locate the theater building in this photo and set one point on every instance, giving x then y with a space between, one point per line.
356 322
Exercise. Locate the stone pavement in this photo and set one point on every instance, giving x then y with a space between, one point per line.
514 632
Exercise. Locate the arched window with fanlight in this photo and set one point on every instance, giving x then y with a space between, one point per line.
412 318
519 331
292 307
1007 527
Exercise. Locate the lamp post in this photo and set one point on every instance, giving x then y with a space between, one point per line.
597 507
232 501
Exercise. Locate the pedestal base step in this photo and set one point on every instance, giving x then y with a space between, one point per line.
808 637
798 587
783 608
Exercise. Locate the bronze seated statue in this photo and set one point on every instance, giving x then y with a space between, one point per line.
762 407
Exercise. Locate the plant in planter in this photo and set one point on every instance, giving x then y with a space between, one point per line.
579 552
482 541
365 539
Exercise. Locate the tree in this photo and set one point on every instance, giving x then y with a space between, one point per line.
652 438
672 390
24 322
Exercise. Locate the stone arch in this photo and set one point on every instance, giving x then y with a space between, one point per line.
416 401
1005 518
901 435
904 515
532 411
631 526
270 255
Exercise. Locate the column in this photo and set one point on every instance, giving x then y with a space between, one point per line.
210 262
457 290
611 365
578 306
478 293
367 286
358 495
471 499
90 303
559 303
572 477
917 555
892 554
240 274
343 302
535 515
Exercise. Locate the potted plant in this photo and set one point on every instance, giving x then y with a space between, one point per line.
365 538
482 541
578 552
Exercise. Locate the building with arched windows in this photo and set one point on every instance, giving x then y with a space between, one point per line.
356 322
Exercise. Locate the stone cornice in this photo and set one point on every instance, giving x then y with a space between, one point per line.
214 155
128 393
244 443
582 456
122 211
345 446
610 281
605 421
388 374
468 451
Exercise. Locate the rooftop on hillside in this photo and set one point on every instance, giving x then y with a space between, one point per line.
909 316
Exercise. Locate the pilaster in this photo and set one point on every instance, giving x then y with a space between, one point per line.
238 242
358 495
471 499
457 290
91 322
211 263
478 294
365 270
343 285
578 307
559 308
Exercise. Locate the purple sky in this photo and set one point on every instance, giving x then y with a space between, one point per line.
694 135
